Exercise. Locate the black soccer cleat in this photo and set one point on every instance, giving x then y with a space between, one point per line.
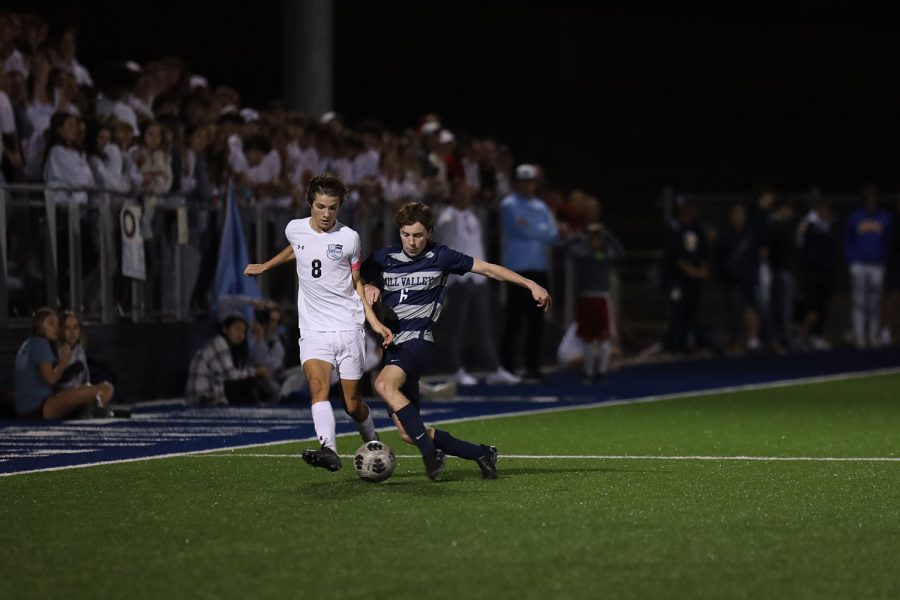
434 464
324 458
488 462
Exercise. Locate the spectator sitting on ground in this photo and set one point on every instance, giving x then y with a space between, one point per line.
220 373
39 367
266 348
77 374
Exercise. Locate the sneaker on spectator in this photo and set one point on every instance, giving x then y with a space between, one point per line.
502 376
819 343
463 378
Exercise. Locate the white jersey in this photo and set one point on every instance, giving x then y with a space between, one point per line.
327 299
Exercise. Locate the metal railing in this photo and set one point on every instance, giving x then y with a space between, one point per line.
63 247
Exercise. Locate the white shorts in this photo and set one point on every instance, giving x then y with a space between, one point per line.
344 350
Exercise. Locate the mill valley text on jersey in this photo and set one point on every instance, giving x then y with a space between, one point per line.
413 287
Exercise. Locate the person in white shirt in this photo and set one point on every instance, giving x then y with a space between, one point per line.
10 156
469 295
153 159
302 156
105 158
67 48
66 165
399 184
46 95
367 161
332 157
331 308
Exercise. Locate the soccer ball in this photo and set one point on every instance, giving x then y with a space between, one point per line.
374 461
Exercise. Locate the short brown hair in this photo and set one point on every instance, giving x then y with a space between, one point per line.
326 184
415 212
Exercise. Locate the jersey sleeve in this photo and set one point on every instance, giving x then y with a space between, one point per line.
355 253
454 262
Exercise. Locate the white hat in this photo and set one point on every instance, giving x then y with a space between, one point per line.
15 63
249 115
328 117
429 127
198 81
446 136
526 171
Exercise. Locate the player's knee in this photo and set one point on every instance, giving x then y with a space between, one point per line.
406 438
382 387
317 386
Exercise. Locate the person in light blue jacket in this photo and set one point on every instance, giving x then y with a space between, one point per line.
529 229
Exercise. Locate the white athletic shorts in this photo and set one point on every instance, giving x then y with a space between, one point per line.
345 350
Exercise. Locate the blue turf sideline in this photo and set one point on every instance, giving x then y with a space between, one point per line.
171 428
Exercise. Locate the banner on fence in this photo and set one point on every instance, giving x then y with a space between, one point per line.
133 263
231 284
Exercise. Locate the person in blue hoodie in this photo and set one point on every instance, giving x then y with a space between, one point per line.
865 246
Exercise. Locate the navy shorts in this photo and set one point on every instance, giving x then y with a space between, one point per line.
413 356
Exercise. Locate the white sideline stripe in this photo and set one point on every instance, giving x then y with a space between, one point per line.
658 398
616 457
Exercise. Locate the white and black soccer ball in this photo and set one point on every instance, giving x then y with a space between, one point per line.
374 461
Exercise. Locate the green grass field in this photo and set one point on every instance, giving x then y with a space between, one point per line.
688 523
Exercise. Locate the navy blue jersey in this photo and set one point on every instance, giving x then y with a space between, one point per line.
412 288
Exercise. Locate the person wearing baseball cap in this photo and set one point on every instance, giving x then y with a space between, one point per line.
529 229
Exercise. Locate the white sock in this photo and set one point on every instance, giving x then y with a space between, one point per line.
323 419
367 428
603 353
589 354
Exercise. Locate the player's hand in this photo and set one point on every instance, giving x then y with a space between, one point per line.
64 354
542 297
254 269
373 294
385 333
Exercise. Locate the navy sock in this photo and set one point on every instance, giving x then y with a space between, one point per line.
456 447
412 422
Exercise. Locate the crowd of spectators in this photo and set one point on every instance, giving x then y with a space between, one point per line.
148 133
779 269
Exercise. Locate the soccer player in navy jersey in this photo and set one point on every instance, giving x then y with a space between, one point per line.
409 281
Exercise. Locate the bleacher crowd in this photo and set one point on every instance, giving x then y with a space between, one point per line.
149 133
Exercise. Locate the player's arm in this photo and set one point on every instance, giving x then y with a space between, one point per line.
286 255
376 325
540 295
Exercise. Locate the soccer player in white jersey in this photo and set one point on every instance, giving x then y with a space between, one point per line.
331 311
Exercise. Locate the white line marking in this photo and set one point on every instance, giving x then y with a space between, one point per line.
730 389
612 457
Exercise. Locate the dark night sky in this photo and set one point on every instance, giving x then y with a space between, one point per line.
622 100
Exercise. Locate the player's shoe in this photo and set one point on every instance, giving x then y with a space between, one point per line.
488 462
324 458
434 464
